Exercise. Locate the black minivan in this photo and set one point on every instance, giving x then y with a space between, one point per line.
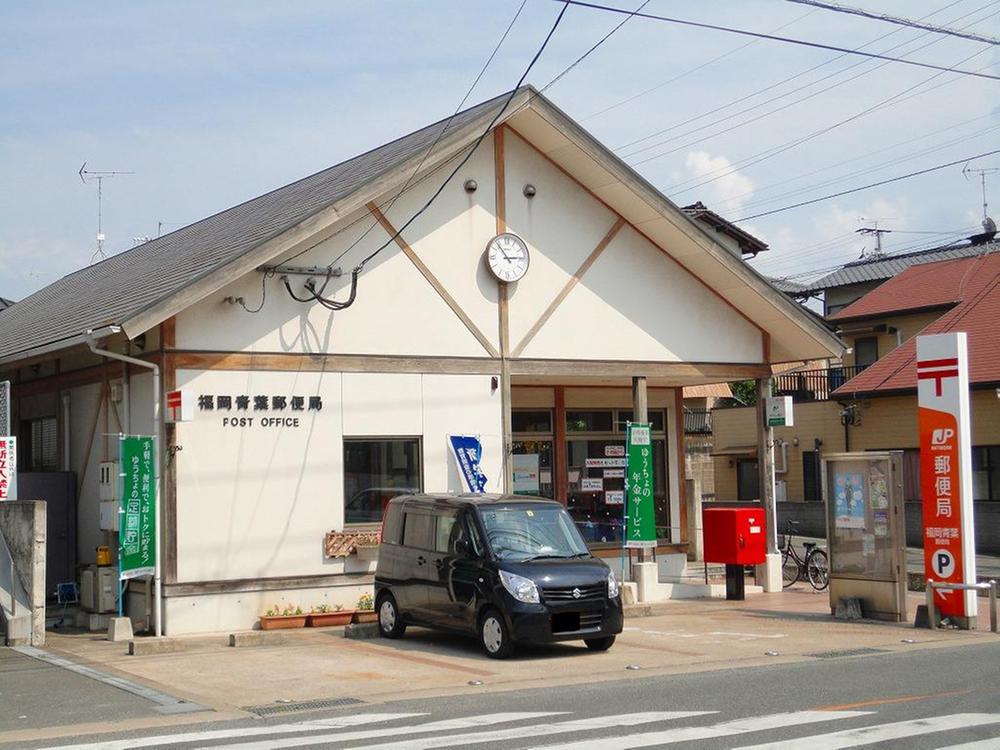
510 568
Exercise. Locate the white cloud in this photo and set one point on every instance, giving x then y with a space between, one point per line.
728 186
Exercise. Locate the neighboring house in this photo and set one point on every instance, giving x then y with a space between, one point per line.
739 242
854 280
870 402
310 412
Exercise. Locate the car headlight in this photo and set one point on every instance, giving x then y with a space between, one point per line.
521 588
613 587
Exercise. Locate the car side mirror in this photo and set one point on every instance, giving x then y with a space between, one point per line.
463 547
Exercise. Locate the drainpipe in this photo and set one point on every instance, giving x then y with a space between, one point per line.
157 596
66 464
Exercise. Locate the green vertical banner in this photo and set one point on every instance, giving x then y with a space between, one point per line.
137 521
641 526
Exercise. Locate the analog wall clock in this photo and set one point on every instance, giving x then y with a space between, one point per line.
507 255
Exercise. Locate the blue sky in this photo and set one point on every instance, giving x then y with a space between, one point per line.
211 103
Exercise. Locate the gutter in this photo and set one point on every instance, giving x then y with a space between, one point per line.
158 422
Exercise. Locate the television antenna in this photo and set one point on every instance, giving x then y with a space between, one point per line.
91 175
982 178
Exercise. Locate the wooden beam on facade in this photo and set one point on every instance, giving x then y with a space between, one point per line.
432 280
291 362
564 292
711 372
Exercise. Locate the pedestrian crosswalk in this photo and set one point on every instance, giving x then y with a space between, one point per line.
561 730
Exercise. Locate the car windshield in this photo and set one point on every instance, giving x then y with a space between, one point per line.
531 533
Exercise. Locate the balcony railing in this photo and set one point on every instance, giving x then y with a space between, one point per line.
814 385
697 421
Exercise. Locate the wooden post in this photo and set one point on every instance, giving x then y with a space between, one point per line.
640 413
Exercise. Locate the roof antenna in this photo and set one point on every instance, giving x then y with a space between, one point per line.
988 224
89 174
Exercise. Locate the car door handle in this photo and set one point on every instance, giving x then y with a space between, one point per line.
421 560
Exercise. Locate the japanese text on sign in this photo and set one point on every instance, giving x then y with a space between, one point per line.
8 468
137 530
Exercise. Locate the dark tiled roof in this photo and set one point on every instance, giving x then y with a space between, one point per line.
124 285
878 269
747 242
5 303
788 287
974 283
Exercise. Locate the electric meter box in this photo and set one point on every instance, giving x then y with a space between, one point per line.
110 510
109 481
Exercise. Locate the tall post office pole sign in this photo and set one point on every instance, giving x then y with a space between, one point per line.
640 524
946 468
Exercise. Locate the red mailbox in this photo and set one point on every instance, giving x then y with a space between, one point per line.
735 535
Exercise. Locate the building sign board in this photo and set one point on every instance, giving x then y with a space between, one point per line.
779 412
261 410
946 468
8 468
640 513
137 527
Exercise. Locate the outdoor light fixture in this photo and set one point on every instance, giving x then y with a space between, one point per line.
471 186
529 191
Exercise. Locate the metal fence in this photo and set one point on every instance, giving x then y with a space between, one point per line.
814 385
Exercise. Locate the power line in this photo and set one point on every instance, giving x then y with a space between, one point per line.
898 98
785 39
695 69
790 78
744 122
868 186
900 21
360 267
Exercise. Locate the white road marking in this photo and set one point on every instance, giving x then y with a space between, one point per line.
446 725
987 744
222 734
724 729
726 633
886 732
540 730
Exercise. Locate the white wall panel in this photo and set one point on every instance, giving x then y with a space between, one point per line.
460 405
255 501
382 404
562 225
635 303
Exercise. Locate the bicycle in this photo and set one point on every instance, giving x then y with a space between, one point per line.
815 567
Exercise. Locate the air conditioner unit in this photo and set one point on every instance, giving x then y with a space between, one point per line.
109 480
99 589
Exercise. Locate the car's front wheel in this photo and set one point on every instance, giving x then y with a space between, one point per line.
390 622
600 644
494 636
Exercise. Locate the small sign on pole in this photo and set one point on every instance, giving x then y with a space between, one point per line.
180 406
779 412
946 469
640 513
8 468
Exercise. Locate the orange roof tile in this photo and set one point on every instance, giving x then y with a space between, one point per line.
973 284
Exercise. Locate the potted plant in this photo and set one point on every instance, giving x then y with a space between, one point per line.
366 609
367 549
278 617
324 615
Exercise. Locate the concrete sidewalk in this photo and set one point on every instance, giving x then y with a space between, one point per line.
679 636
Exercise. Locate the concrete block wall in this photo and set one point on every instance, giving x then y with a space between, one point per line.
23 526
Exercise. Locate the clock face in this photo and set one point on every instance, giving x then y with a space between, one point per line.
508 257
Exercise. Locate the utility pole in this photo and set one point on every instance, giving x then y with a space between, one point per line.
878 238
86 174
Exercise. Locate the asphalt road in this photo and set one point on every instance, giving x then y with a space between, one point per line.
925 698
